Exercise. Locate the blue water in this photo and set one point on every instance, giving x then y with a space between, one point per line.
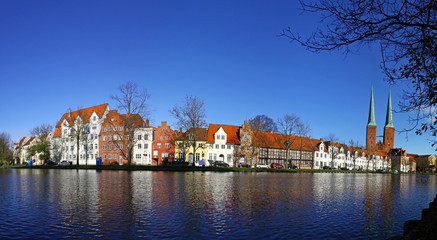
38 203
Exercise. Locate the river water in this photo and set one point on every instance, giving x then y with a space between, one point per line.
58 203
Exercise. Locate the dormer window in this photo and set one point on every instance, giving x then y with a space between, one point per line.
190 136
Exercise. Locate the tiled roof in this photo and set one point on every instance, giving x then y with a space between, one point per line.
83 113
57 132
28 142
202 133
114 116
276 140
231 132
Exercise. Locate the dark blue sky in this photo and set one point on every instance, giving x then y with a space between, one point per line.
57 55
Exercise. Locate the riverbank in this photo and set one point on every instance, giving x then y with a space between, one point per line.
188 169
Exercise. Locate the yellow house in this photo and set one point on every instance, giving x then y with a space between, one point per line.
191 146
426 163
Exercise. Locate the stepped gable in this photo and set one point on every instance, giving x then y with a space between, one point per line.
231 132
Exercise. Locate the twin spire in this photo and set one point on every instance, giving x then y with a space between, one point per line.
388 118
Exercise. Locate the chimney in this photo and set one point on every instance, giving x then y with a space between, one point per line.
163 123
147 123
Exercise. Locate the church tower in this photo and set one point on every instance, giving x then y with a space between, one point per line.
389 129
371 127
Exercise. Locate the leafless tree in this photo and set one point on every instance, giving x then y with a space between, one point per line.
287 127
42 131
133 101
190 116
78 130
354 146
261 125
405 30
303 130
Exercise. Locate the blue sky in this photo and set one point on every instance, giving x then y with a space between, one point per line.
57 55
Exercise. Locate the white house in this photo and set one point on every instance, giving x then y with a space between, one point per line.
221 142
64 143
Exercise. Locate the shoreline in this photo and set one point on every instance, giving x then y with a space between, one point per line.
196 169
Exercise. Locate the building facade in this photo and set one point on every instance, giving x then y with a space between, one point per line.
163 144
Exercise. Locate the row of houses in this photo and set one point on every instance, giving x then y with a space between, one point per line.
101 133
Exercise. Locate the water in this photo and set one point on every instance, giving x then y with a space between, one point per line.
40 203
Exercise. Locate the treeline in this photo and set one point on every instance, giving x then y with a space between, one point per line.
5 148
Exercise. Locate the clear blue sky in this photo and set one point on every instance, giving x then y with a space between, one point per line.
57 55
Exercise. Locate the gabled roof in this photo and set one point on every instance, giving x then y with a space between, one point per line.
201 132
83 113
231 132
117 118
276 140
28 142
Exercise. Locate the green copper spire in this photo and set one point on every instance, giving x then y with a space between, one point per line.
371 112
389 118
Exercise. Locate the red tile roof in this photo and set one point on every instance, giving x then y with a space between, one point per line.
83 113
276 140
231 132
28 142
120 118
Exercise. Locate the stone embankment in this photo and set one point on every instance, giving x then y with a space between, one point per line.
425 228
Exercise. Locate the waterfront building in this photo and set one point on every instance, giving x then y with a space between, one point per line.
77 132
425 163
191 146
163 144
115 142
221 143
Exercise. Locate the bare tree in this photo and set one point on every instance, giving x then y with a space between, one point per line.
303 130
354 146
191 116
78 130
133 101
405 30
287 127
42 131
261 124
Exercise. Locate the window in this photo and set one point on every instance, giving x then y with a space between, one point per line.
229 158
223 137
159 145
216 146
139 137
146 137
181 145
95 145
120 147
200 145
104 138
317 155
197 156
65 131
167 145
115 147
104 156
109 138
218 137
146 146
115 129
223 146
115 137
120 129
109 129
109 147
166 137
109 156
115 156
161 137
72 148
215 156
104 129
210 156
229 146
94 118
139 145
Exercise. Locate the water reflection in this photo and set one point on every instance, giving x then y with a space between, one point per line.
203 205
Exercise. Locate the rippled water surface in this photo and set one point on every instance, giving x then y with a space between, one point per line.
38 203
